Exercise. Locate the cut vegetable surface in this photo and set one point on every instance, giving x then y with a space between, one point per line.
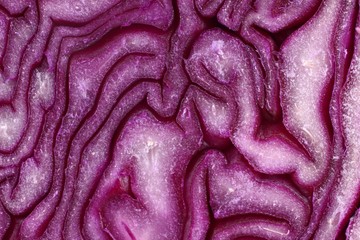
179 119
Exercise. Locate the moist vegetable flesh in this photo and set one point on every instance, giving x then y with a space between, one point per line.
167 120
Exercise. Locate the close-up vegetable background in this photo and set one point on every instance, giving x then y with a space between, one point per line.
179 119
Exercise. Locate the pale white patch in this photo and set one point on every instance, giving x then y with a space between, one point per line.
11 125
44 87
153 153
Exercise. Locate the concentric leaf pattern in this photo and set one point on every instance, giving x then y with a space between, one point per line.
170 120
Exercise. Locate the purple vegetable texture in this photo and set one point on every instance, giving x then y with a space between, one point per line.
179 120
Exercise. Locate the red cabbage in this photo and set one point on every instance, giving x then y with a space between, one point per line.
171 120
